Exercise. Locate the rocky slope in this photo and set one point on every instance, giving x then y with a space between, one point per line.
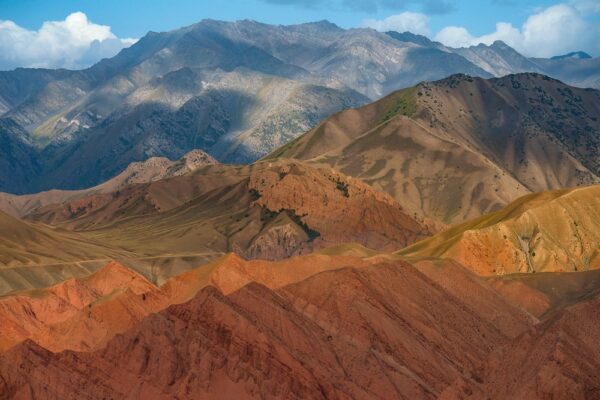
236 116
268 210
455 149
544 232
386 329
556 359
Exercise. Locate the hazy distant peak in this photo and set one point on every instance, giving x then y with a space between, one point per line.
580 55
413 38
323 24
500 44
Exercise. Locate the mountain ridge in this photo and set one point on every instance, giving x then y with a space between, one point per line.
485 143
236 90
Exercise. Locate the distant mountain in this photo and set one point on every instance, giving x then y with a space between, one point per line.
153 169
454 149
235 90
498 59
575 54
421 40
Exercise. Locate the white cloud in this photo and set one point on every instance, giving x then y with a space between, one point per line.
555 30
73 43
406 21
586 6
457 36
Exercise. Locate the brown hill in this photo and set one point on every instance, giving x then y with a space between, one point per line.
387 330
269 210
26 244
460 147
153 169
543 232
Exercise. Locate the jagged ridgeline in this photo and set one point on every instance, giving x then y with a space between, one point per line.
235 90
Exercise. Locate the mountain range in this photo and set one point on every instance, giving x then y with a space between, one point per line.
235 90
249 211
457 148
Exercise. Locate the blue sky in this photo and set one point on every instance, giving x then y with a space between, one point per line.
133 18
102 27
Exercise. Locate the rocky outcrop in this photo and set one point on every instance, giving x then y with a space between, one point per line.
280 239
334 208
79 314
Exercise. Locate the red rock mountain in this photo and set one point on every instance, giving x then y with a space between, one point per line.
387 330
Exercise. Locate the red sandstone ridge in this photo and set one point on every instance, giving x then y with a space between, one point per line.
84 314
558 359
339 208
386 331
79 313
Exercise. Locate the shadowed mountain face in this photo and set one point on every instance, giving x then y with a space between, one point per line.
457 148
235 90
19 163
152 169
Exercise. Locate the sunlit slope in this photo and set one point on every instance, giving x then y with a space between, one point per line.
23 244
548 231
455 149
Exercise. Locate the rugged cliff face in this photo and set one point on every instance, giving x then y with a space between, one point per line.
336 208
